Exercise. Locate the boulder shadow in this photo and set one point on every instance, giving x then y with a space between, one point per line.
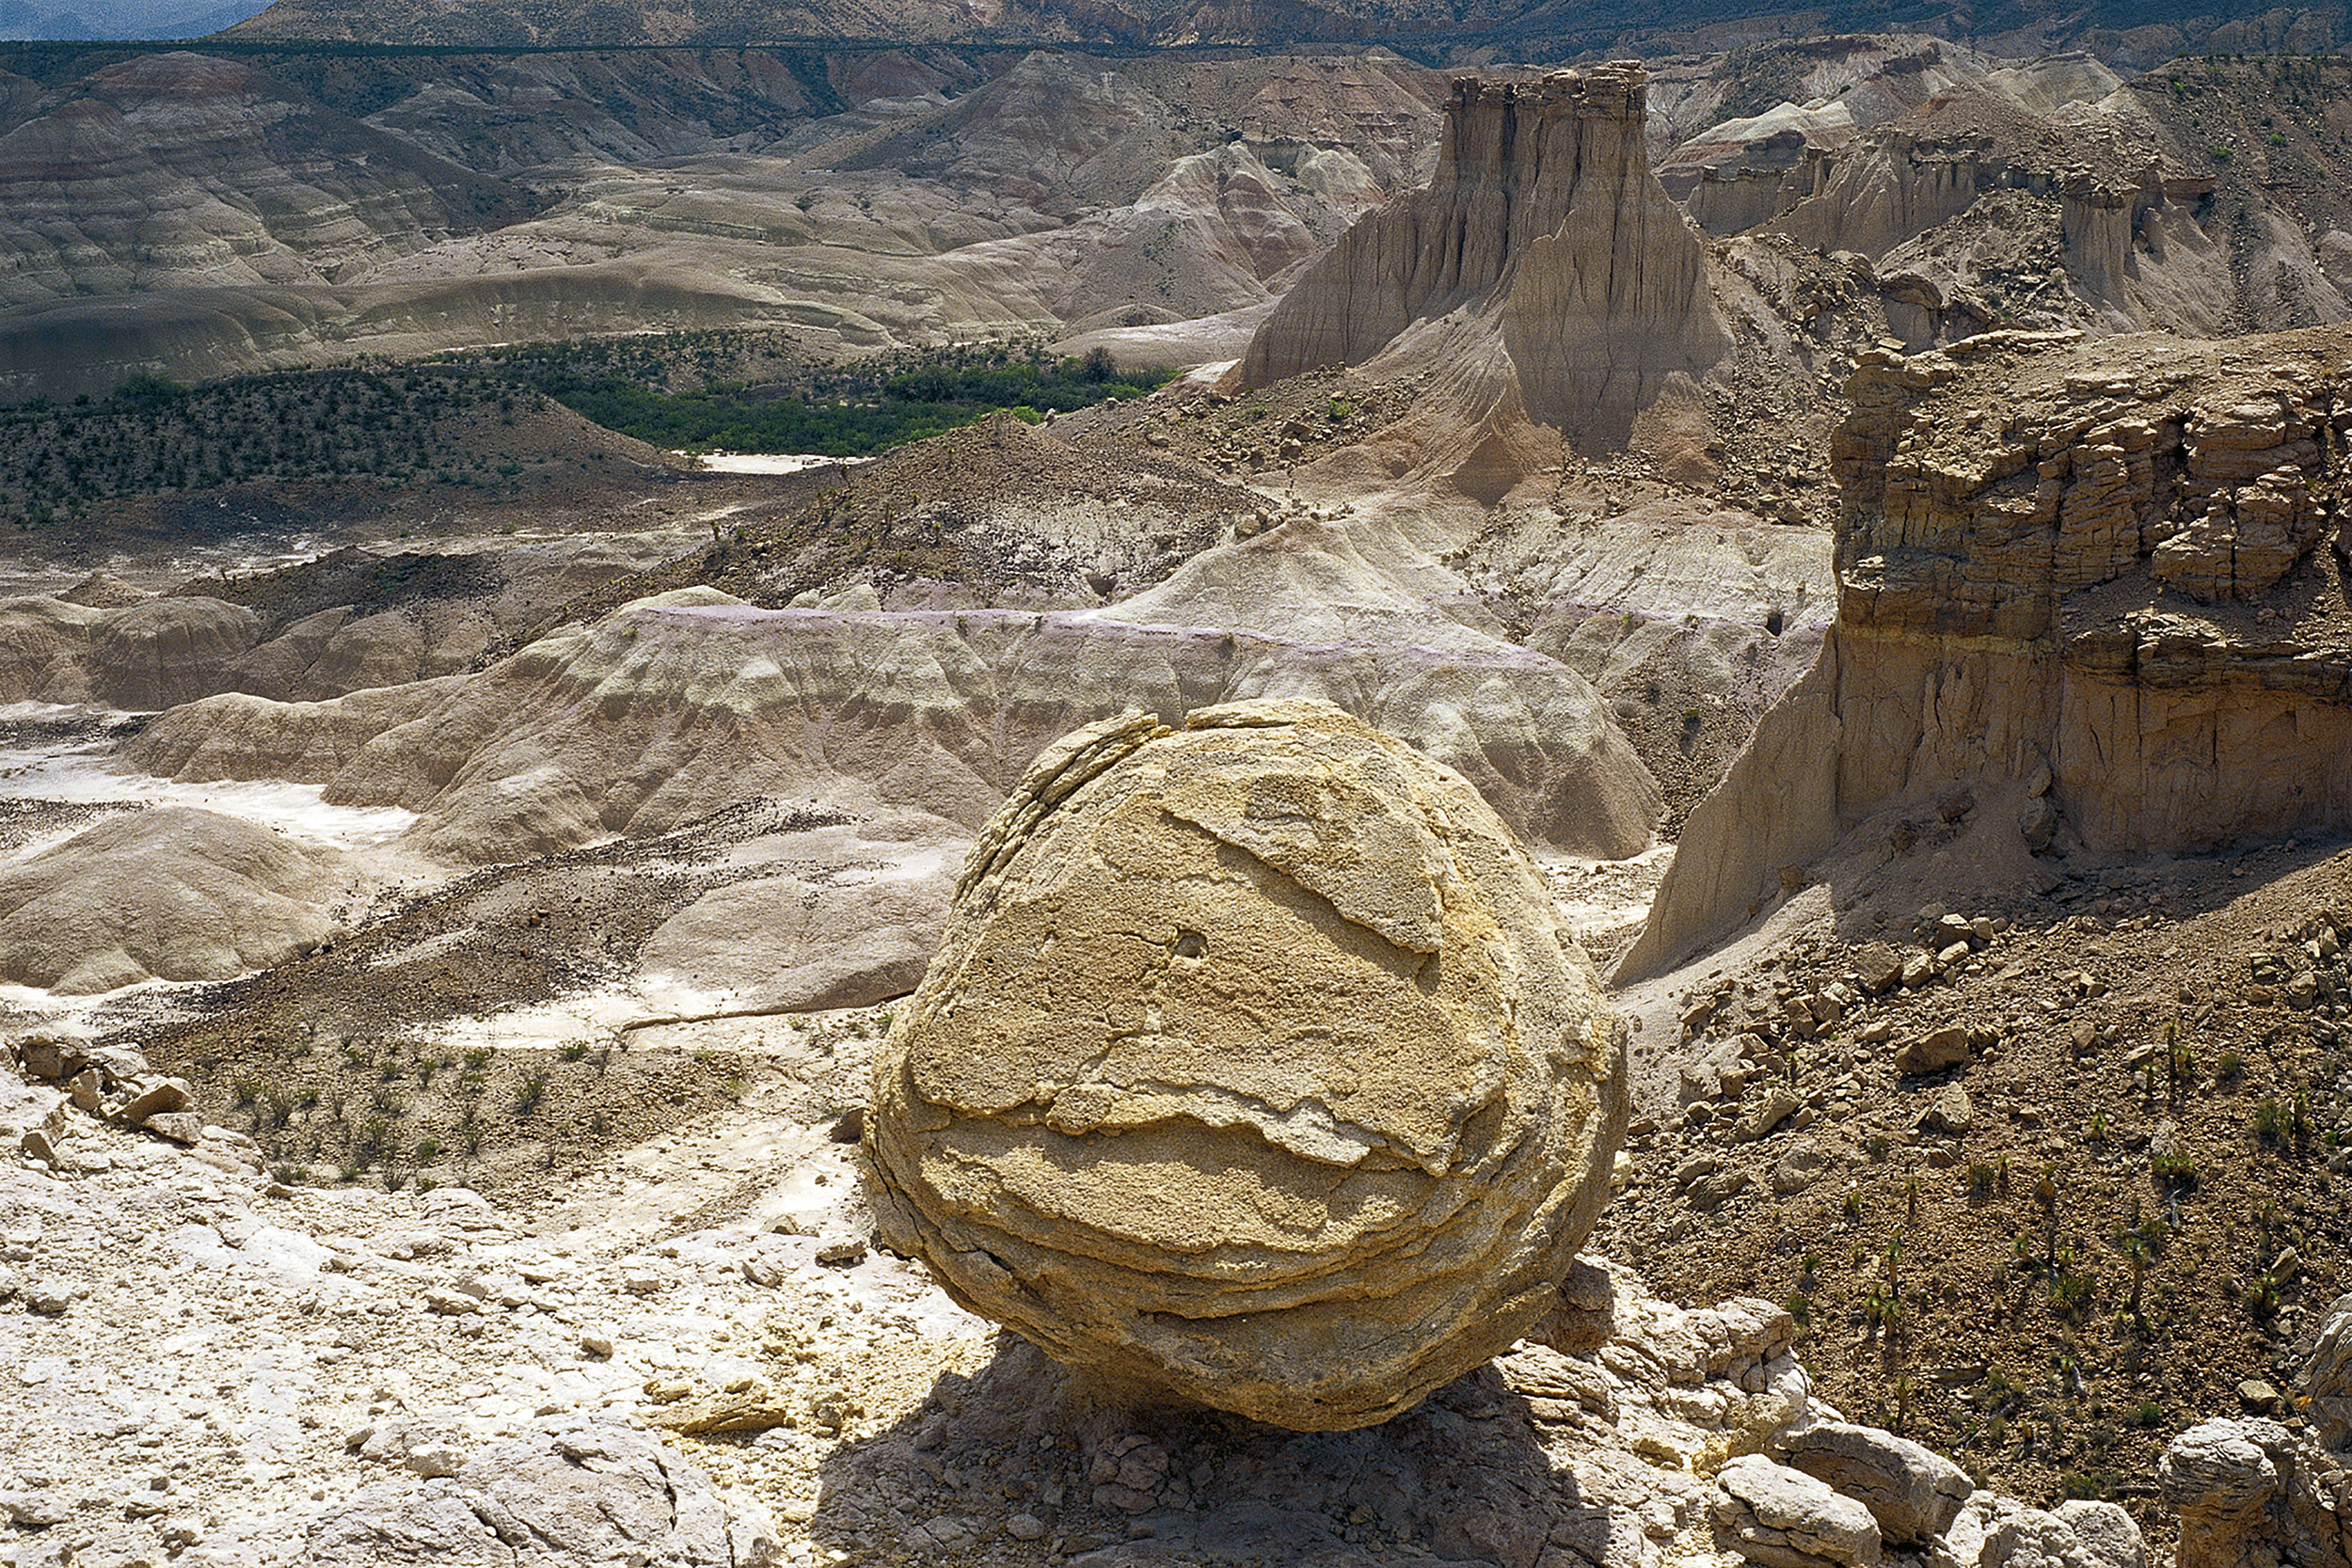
1024 1462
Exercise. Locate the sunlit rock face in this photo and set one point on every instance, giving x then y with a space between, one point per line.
1256 1071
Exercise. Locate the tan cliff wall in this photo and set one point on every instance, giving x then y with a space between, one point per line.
1545 226
2087 580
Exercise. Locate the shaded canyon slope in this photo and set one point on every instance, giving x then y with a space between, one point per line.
2092 591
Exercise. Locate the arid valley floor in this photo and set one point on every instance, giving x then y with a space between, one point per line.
1870 512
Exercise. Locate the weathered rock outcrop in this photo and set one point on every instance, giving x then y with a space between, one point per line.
2083 581
1255 1071
1544 229
173 894
1734 176
2254 1493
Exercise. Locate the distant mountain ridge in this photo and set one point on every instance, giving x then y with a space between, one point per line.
2131 32
121 19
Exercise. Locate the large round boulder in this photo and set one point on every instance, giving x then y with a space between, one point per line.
1256 1071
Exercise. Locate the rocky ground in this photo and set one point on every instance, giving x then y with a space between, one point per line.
2046 1175
215 1367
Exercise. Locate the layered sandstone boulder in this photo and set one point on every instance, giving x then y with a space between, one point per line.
1544 236
2083 582
1256 1071
2249 1491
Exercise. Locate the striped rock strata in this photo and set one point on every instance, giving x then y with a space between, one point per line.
2081 582
1256 1071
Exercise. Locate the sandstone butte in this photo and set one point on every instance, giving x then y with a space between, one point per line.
1543 261
1256 1071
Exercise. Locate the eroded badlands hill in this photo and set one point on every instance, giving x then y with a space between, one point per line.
199 216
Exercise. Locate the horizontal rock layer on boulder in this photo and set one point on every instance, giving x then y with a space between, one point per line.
1255 1071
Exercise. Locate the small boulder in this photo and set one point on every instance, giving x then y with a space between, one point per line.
1783 1518
1935 1050
1777 1104
181 1127
2216 1472
1948 1112
1880 966
2107 1533
1798 1168
1911 1490
155 1098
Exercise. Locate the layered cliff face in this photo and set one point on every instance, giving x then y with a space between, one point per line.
1544 249
2084 604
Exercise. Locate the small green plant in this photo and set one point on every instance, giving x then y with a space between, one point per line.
428 1150
2219 153
2271 1122
477 1057
1877 1146
2097 1132
574 1051
248 1090
2229 1068
1853 1204
1980 1179
2147 1415
529 1091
